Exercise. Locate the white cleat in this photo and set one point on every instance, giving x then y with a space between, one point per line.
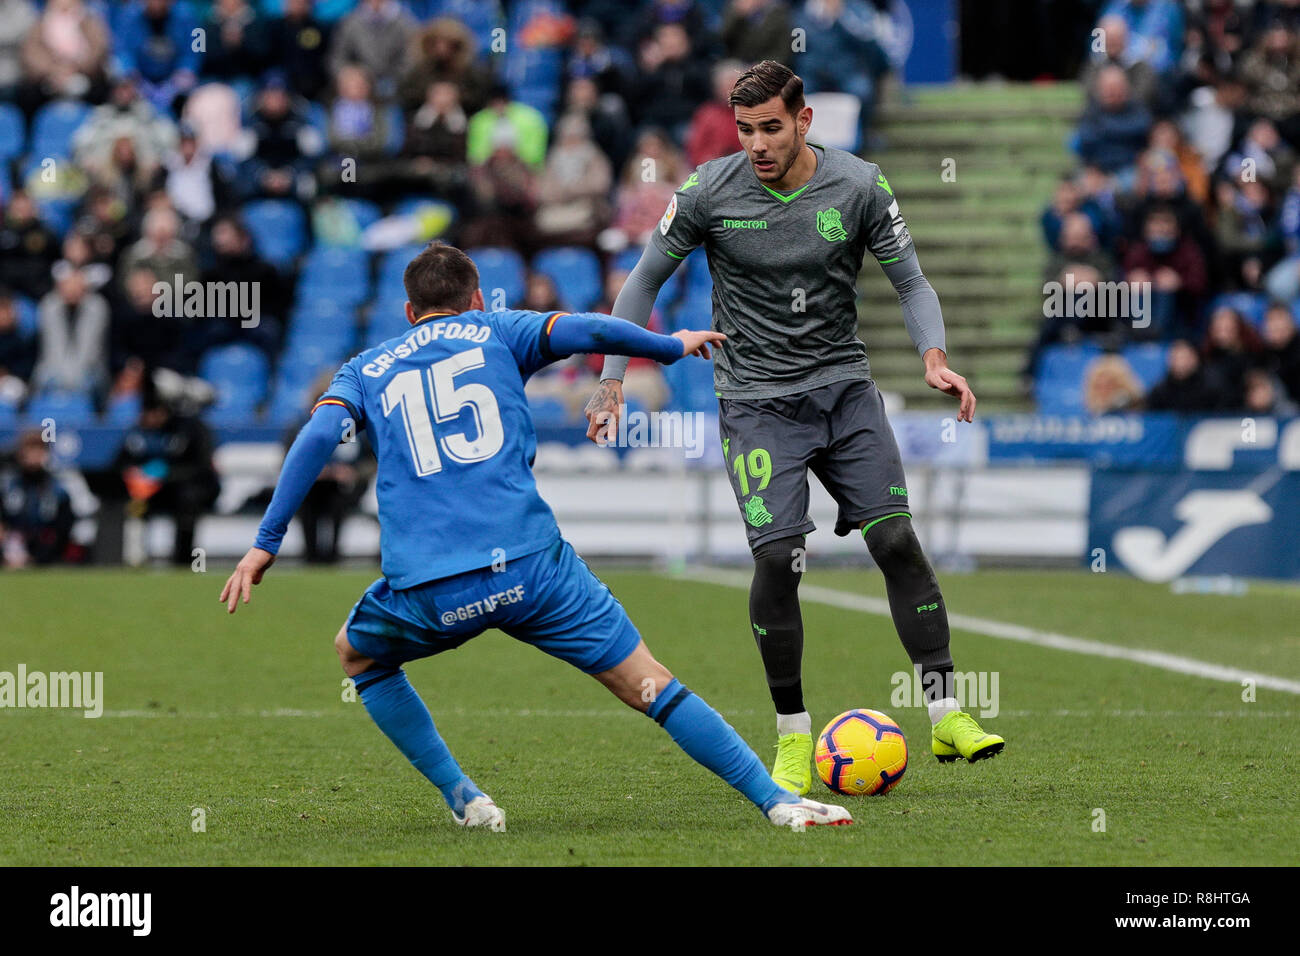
808 813
482 812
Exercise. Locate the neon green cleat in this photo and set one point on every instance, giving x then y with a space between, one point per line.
957 735
793 767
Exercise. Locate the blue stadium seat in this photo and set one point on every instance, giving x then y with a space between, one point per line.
1147 361
692 386
1058 387
548 412
393 264
28 316
668 292
53 127
576 274
279 229
499 269
240 375
387 318
338 273
66 408
122 410
13 132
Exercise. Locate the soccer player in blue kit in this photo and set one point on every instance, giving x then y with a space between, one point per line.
468 543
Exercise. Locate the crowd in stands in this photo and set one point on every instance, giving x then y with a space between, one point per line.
305 150
1187 185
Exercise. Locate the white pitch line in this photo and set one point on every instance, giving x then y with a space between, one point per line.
1016 632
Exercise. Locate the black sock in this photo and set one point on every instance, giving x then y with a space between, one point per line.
915 602
776 620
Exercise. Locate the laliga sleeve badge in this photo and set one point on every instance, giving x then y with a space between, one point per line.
669 213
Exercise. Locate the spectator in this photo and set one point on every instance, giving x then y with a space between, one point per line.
337 490
607 66
574 188
1079 246
1159 184
143 339
443 52
713 127
17 17
359 128
281 146
66 53
671 82
1110 386
237 45
166 468
755 30
194 183
503 119
1186 388
297 43
1283 280
846 55
1264 396
1271 73
606 115
1115 52
107 224
1174 266
36 515
505 196
1241 231
433 154
27 248
1231 348
126 114
124 173
1155 30
375 36
1261 156
17 353
233 260
160 248
1113 130
155 45
1282 348
643 382
1167 137
73 327
79 254
1210 120
640 200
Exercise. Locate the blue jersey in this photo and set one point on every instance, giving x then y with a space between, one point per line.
445 411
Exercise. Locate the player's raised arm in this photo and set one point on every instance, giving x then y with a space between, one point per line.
310 452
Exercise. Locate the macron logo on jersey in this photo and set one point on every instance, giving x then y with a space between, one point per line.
422 335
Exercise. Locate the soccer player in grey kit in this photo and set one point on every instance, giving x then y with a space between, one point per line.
785 225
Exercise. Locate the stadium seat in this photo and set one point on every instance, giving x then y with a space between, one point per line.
1147 361
576 274
240 375
337 273
669 292
835 120
279 230
28 316
499 269
122 410
66 408
1058 386
13 132
53 127
387 318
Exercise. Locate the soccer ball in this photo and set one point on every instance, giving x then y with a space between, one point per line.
861 753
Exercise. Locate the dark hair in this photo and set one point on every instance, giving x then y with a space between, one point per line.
440 277
765 80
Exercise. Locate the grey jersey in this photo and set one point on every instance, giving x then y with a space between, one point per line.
785 267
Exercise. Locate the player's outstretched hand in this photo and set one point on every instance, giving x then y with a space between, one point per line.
247 572
602 411
939 375
697 343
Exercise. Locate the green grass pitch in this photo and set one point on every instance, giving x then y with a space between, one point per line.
244 718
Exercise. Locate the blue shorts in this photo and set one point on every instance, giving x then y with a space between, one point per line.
549 599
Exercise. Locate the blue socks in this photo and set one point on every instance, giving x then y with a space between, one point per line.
700 730
394 705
